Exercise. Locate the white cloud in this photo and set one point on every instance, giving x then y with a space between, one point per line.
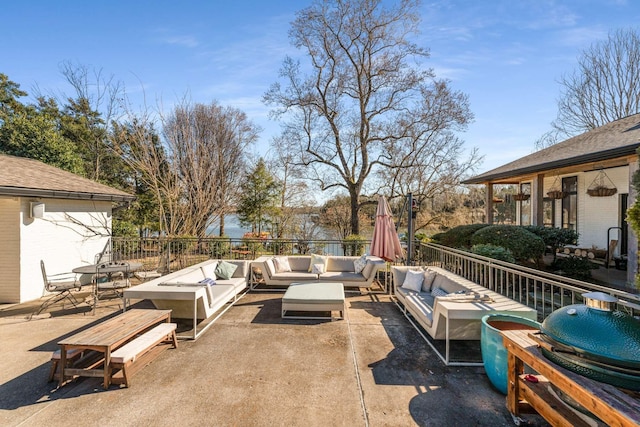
582 36
187 41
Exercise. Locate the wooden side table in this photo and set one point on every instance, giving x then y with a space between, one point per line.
608 403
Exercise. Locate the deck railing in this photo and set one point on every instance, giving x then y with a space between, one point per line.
170 254
538 289
543 291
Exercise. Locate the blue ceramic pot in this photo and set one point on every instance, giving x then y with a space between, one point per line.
494 354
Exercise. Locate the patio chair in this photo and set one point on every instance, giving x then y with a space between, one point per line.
149 272
109 282
60 286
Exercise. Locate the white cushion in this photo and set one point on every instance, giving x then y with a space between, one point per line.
317 259
209 270
360 264
413 280
429 277
281 264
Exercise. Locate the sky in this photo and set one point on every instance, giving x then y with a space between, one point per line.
506 55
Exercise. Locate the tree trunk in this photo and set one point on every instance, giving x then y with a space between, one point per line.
355 219
221 225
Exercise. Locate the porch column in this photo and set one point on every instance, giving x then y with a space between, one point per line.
632 244
489 203
537 196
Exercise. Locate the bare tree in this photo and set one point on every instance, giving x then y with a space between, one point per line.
194 171
431 171
296 200
96 104
206 144
604 87
365 98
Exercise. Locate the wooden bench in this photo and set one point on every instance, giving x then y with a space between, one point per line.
134 355
72 356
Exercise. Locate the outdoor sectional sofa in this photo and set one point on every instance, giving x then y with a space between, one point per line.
182 292
339 269
450 307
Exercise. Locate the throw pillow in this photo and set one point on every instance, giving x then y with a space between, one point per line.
413 280
429 277
225 270
208 281
317 259
360 264
282 264
317 268
438 292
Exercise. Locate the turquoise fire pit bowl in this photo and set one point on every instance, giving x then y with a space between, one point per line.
494 354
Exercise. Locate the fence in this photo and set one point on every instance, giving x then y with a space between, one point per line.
543 291
170 254
538 289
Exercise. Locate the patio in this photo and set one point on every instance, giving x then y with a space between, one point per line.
254 368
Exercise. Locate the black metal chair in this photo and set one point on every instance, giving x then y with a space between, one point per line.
109 281
60 286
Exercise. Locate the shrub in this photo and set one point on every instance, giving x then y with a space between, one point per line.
554 238
220 247
458 237
353 245
523 244
495 252
573 266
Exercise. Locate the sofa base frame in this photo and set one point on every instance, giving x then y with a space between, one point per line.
445 359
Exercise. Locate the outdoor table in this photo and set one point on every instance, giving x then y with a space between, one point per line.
109 268
107 337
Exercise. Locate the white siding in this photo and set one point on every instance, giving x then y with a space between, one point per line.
69 235
9 250
597 214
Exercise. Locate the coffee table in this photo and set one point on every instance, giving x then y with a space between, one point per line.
314 297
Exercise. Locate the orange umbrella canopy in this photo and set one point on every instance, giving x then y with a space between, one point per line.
385 243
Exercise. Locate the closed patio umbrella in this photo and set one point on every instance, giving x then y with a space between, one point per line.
385 243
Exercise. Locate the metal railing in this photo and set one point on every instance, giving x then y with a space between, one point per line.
170 254
538 289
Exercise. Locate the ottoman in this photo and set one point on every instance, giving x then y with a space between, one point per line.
314 297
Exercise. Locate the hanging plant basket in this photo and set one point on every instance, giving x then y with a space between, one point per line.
557 194
521 196
600 188
602 191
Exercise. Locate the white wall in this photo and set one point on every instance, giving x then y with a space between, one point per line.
10 249
597 214
71 233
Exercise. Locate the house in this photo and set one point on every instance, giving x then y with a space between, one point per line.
52 215
583 183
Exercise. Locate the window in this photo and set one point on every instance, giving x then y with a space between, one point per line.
548 212
525 205
570 203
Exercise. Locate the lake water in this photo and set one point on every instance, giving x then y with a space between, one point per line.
232 228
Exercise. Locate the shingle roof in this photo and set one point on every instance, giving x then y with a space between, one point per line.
27 177
615 139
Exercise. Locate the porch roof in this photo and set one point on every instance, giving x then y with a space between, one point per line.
616 139
28 177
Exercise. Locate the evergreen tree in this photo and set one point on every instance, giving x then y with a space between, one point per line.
259 198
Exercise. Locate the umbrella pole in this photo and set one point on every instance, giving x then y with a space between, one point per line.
410 229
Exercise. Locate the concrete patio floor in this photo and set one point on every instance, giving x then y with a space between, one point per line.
253 369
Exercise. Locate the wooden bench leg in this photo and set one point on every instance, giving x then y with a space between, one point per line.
72 357
174 339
